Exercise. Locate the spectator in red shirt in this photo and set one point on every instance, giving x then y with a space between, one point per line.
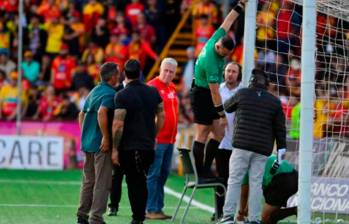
146 31
203 32
92 11
325 32
116 51
132 11
122 25
284 23
287 21
140 49
62 70
237 54
49 10
48 105
9 6
111 9
165 140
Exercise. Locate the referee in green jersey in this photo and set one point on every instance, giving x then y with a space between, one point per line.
205 98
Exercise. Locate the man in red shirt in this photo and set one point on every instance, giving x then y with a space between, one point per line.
146 31
203 32
165 140
9 6
49 10
116 50
132 11
140 49
63 67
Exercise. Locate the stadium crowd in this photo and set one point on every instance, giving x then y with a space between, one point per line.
65 42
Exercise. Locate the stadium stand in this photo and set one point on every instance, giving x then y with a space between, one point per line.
65 42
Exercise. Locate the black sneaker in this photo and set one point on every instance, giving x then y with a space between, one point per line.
214 218
82 221
112 211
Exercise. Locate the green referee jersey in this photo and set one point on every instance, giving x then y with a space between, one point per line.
91 136
209 65
285 167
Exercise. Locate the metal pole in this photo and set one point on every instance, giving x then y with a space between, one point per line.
19 65
249 41
307 111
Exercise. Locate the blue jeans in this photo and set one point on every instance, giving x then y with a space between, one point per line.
157 177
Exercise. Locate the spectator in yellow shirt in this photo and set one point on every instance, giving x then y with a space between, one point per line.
8 99
55 32
206 7
91 13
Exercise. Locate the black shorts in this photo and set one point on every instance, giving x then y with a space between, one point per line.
281 188
202 106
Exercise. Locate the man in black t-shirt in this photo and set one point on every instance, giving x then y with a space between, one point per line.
117 178
134 131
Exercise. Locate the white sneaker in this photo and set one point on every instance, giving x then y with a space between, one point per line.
227 220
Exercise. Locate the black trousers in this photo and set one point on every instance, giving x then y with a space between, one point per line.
116 187
222 167
136 166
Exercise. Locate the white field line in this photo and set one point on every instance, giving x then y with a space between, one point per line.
168 191
186 199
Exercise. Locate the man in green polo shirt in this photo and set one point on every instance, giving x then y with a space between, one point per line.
280 182
205 98
96 121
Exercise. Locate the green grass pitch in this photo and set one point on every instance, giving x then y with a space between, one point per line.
51 197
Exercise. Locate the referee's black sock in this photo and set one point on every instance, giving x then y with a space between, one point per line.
210 154
198 151
282 213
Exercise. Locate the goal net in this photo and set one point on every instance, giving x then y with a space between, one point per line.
278 53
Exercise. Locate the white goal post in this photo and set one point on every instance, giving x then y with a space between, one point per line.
310 55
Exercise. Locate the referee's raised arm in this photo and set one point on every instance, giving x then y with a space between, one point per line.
233 15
